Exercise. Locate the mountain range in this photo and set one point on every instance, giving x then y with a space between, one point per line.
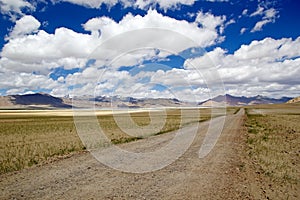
230 100
42 100
294 100
38 100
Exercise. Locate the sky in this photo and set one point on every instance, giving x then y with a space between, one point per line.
185 49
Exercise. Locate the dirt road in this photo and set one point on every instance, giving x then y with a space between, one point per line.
82 177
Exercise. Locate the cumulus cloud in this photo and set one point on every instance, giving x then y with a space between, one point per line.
13 8
152 19
231 21
258 26
270 13
23 82
91 3
208 20
245 12
178 83
141 4
217 0
259 11
268 16
35 53
269 49
31 54
45 49
243 30
202 36
24 26
268 67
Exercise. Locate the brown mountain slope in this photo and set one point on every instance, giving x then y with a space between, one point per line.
294 100
38 100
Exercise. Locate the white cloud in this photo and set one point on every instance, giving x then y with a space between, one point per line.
243 30
204 36
157 31
258 26
23 82
231 21
269 67
31 54
259 11
44 48
209 60
35 53
26 25
91 3
245 12
183 84
269 16
142 4
13 8
208 20
217 0
269 49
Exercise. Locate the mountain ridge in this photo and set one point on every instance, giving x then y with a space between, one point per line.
294 100
36 100
242 101
44 100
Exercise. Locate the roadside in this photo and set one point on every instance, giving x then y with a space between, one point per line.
217 176
230 171
271 157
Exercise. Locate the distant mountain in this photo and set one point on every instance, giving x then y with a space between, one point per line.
127 102
38 100
41 100
294 100
239 101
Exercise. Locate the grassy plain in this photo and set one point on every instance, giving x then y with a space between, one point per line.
33 137
273 142
28 140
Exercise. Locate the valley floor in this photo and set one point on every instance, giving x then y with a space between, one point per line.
226 173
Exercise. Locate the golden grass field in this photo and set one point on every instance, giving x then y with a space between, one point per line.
273 141
27 140
31 137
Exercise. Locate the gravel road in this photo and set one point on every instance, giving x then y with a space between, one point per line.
81 176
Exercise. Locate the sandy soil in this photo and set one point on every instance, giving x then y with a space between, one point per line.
217 176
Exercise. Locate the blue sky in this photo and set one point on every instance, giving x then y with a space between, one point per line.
251 47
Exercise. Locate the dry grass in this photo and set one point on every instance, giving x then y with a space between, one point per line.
173 122
273 146
30 138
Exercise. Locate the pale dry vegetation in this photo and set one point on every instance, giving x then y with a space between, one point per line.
31 138
273 141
